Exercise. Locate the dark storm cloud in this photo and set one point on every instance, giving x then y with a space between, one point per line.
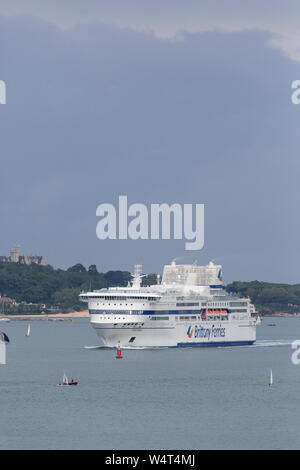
98 111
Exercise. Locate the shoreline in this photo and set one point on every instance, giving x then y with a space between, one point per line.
285 315
54 316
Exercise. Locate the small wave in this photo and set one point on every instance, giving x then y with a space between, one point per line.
146 347
132 348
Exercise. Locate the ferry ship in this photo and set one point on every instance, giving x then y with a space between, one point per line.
187 307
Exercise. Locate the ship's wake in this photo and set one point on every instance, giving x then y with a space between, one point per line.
268 343
126 347
263 343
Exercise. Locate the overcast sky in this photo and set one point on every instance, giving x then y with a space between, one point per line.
164 101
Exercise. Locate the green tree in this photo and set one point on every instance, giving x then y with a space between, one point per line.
93 269
77 268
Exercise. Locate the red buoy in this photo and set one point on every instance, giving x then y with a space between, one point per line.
119 352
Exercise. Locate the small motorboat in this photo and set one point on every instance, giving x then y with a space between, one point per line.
66 381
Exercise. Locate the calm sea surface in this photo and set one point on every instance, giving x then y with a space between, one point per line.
215 398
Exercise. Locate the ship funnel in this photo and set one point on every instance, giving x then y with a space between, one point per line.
137 276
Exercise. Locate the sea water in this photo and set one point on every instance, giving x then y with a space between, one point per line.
214 398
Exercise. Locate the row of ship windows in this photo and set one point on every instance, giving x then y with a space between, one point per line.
166 312
189 304
116 297
145 312
120 305
211 304
207 318
159 312
140 312
181 318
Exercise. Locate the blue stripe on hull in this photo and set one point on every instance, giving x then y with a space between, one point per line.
215 344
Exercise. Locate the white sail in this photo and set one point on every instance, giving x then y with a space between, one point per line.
65 379
3 341
2 353
28 330
271 378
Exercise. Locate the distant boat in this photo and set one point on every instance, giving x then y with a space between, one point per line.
65 381
3 337
28 331
271 378
3 342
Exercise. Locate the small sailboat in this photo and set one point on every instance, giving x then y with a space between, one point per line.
28 331
271 378
119 352
65 381
4 340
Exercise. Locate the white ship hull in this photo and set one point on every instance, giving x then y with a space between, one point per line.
176 335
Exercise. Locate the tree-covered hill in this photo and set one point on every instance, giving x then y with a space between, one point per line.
269 297
54 287
44 285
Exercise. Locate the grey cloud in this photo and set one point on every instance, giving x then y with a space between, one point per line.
170 17
96 111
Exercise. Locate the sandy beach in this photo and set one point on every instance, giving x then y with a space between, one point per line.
82 314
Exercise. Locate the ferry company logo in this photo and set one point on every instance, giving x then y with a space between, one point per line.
190 331
206 333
